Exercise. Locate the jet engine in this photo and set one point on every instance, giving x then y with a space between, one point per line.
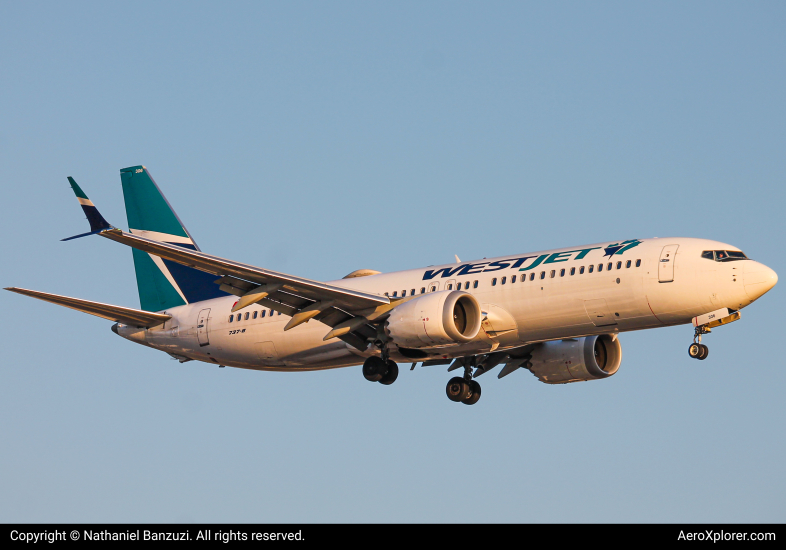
576 360
435 319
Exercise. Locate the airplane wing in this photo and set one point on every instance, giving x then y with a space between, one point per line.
125 315
348 312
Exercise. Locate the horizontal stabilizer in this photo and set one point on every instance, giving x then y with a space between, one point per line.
125 315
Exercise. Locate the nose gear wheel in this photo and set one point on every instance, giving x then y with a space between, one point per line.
697 350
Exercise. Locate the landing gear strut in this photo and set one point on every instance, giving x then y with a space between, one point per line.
464 389
697 350
379 370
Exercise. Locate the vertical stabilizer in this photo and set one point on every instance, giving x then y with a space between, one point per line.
162 284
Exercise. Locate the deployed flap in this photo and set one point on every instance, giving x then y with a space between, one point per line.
125 315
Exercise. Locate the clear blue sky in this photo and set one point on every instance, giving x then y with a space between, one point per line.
319 138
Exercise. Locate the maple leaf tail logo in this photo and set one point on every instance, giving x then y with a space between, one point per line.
619 248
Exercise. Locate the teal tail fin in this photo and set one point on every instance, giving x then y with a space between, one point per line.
162 284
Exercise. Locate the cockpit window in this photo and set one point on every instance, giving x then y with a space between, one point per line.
724 255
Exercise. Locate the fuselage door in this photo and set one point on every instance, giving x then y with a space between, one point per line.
666 264
433 287
202 321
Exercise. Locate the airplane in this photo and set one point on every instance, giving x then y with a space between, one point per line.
555 313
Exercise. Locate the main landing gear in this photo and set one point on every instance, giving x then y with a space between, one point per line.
464 389
380 370
697 350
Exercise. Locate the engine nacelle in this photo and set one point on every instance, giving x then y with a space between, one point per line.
579 360
435 319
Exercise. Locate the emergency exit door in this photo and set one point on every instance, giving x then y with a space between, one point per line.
202 332
666 263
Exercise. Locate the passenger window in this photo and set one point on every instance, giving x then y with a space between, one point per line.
627 264
271 313
619 265
263 313
279 313
395 292
542 274
591 269
403 293
247 314
513 279
531 276
638 263
423 290
494 281
231 318
450 287
609 266
386 294
581 270
600 268
255 314
504 280
475 284
412 292
553 272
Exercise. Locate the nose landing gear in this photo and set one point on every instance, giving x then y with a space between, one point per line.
697 350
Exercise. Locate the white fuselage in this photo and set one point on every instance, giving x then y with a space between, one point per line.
667 283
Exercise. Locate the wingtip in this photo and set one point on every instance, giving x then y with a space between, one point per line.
97 221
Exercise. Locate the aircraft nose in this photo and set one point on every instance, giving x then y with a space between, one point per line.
758 279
